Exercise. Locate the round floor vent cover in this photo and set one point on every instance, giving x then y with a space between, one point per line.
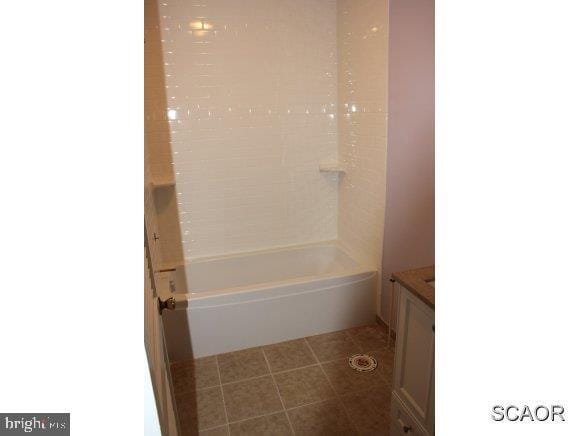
362 362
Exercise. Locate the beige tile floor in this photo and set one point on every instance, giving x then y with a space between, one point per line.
299 387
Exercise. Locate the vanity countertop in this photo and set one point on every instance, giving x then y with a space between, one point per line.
420 282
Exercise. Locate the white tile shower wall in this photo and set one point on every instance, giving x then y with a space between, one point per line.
251 102
362 93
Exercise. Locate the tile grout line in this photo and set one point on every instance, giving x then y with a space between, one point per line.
362 350
271 374
380 375
383 377
263 416
322 362
278 391
295 407
289 408
213 428
278 411
348 417
244 420
355 341
223 396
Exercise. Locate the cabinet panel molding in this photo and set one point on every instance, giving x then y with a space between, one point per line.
415 356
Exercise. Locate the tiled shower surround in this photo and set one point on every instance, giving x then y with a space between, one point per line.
251 104
362 92
259 93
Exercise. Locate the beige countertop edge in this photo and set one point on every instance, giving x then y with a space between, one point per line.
415 281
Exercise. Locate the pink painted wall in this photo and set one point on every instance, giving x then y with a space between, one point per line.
409 238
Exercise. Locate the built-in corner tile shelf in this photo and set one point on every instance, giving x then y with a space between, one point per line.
332 168
158 184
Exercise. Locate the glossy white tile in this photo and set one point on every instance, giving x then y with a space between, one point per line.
362 67
249 89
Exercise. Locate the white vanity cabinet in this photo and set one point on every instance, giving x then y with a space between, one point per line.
413 396
402 422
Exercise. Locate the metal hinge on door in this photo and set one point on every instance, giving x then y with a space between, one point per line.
168 304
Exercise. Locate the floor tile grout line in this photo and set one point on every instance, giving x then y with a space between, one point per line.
347 331
270 372
278 391
250 418
322 362
360 349
269 414
318 363
350 337
265 414
326 400
250 378
273 413
341 402
338 397
355 341
391 364
253 378
223 396
285 409
288 409
213 428
348 417
298 407
246 379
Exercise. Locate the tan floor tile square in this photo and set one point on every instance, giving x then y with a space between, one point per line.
194 374
303 386
369 411
250 398
210 408
289 355
327 418
273 425
188 430
370 337
243 364
186 405
385 363
333 346
208 404
206 372
183 376
347 381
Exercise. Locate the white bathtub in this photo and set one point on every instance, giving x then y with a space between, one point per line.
233 302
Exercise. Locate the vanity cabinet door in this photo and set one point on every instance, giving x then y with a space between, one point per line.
414 361
402 422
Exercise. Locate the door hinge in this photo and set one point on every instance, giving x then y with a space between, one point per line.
168 304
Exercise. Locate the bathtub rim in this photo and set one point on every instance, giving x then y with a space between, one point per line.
330 242
359 268
311 283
